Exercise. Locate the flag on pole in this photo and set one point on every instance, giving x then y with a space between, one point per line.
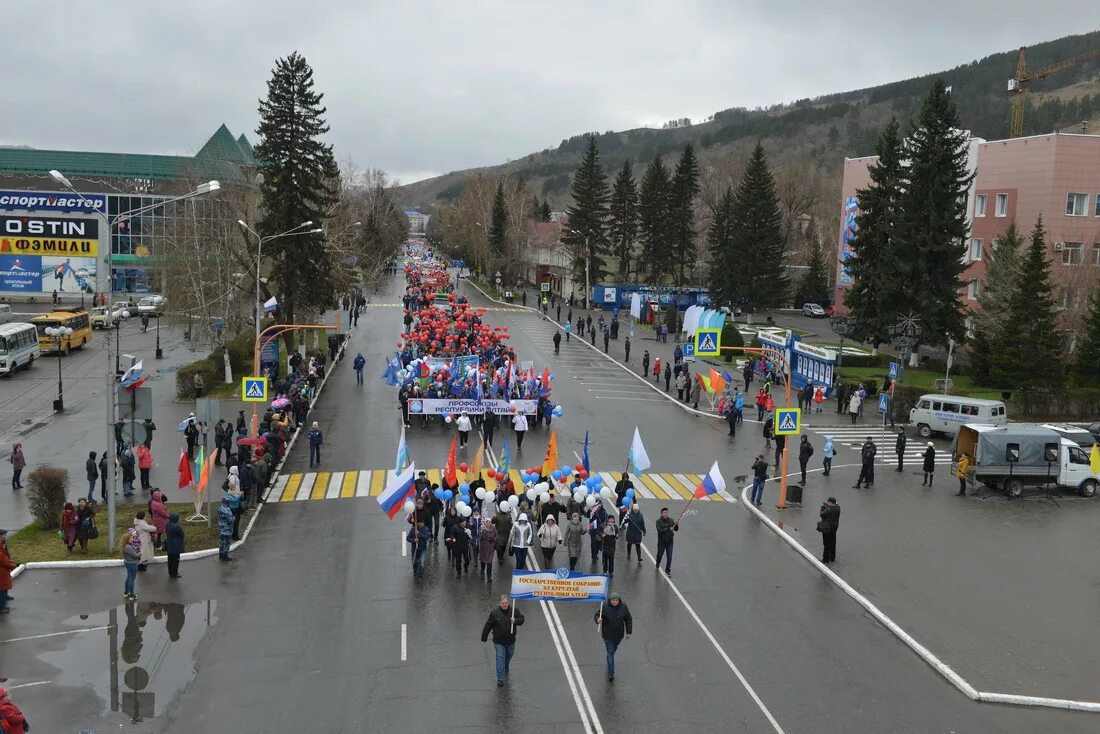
184 470
207 464
550 462
402 452
134 377
638 456
450 472
712 483
399 489
584 454
270 305
479 460
505 457
717 382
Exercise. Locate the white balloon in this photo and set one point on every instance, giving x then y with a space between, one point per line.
545 497
514 500
578 496
480 493
409 506
590 500
532 493
606 493
447 419
542 486
459 505
465 511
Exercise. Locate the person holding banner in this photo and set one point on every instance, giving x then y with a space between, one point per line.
615 623
502 624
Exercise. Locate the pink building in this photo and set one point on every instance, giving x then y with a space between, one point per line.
1056 175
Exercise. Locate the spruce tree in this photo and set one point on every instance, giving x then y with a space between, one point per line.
815 287
1029 348
654 198
299 185
623 227
1086 362
723 258
587 233
991 317
544 211
926 256
872 271
685 187
498 229
759 272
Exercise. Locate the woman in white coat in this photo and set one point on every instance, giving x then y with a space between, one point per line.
145 531
519 422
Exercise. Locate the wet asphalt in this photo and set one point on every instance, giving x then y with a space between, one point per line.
303 630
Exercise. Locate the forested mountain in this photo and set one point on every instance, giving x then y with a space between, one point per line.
810 137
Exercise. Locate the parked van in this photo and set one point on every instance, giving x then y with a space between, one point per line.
936 413
5 313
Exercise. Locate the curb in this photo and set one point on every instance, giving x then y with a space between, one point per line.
924 653
205 552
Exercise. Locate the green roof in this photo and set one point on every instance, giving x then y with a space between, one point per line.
246 148
221 158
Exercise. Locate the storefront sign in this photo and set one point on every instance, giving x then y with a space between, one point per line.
45 201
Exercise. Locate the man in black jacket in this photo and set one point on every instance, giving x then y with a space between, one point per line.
621 486
666 526
867 468
615 621
830 521
92 472
488 425
503 626
899 448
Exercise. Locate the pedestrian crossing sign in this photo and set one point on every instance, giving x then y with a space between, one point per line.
708 342
254 389
788 421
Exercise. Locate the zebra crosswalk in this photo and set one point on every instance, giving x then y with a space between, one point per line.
853 437
323 485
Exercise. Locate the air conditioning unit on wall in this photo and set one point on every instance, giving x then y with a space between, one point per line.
1059 246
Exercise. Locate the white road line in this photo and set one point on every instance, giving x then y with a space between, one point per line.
404 642
640 400
667 487
306 487
611 390
335 483
404 546
362 487
57 634
28 685
280 485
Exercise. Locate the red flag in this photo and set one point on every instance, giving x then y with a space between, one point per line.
546 379
450 474
184 469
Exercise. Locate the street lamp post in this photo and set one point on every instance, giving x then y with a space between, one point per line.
117 317
260 251
844 327
110 222
59 333
160 353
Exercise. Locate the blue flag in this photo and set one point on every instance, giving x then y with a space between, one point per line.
402 453
584 457
505 459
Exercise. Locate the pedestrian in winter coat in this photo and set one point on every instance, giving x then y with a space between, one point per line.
127 464
145 531
769 424
159 515
828 525
962 466
502 623
418 537
668 375
899 448
574 539
458 544
225 529
85 515
853 406
17 463
92 474
486 547
520 539
597 519
645 362
695 390
557 342
666 529
549 539
635 530
805 451
103 476
69 524
867 466
615 623
357 364
7 565
131 559
174 544
464 426
929 464
503 523
145 464
609 539
759 476
11 718
316 438
828 452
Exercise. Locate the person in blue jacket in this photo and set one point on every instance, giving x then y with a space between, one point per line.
357 365
739 405
316 438
828 452
225 528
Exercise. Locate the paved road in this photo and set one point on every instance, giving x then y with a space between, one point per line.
304 631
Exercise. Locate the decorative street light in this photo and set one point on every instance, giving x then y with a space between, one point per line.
260 251
117 317
58 333
844 327
905 334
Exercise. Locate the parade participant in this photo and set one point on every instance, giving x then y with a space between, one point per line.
316 438
449 521
621 486
929 466
458 546
549 539
574 538
867 465
615 623
759 476
597 518
418 537
550 509
608 540
488 425
635 530
435 511
519 423
502 623
503 523
463 425
827 526
519 540
666 527
174 544
486 546
899 448
828 452
357 364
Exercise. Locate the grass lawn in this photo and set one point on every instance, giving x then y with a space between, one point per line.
912 377
33 544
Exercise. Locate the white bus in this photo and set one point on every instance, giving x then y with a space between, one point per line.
18 347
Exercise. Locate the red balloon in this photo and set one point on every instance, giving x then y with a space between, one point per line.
579 467
584 474
463 467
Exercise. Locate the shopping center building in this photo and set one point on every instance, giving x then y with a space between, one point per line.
52 239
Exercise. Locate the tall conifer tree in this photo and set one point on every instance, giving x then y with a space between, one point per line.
498 229
623 228
587 233
992 314
760 252
654 198
723 258
685 187
1086 362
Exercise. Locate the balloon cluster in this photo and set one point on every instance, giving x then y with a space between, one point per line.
443 334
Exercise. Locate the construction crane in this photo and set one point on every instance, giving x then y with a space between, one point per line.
1017 86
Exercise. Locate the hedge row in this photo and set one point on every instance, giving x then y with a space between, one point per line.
212 367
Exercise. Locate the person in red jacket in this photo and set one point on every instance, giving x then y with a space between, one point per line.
159 515
11 718
7 565
657 369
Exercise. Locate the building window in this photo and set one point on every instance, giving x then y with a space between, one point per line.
1077 205
1096 254
973 289
993 247
979 205
1071 253
969 324
1098 205
975 250
1002 205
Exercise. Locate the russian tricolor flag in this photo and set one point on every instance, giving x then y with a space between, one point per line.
270 305
713 483
399 489
134 377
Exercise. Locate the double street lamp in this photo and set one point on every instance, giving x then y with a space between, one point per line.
300 229
58 333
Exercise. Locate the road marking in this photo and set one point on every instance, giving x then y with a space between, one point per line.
657 489
280 485
377 482
350 480
320 484
404 545
436 478
57 634
640 400
609 391
335 485
291 489
404 642
306 486
670 485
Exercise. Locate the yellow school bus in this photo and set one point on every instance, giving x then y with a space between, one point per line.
77 320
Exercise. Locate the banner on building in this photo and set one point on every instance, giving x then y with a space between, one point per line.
48 201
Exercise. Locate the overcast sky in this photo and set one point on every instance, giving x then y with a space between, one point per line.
424 87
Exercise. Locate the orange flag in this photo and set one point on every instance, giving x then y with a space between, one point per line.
717 382
479 459
450 472
550 463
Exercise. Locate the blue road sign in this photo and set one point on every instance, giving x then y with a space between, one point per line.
788 421
883 402
708 343
894 370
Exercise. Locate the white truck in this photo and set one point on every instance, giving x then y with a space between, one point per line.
1009 458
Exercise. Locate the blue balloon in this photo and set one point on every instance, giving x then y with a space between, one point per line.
448 494
556 474
464 488
630 491
557 412
593 481
566 470
438 494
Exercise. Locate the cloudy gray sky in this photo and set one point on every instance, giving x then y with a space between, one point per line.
418 87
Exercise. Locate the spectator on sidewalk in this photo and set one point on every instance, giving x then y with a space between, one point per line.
11 718
69 524
92 473
127 464
828 525
645 363
853 406
158 512
174 544
85 529
7 565
17 463
626 348
929 466
131 557
145 465
668 376
144 531
899 448
805 451
103 476
149 427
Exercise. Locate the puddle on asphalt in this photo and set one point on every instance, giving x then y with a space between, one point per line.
141 661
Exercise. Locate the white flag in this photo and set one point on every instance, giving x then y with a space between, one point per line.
636 305
638 456
270 305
